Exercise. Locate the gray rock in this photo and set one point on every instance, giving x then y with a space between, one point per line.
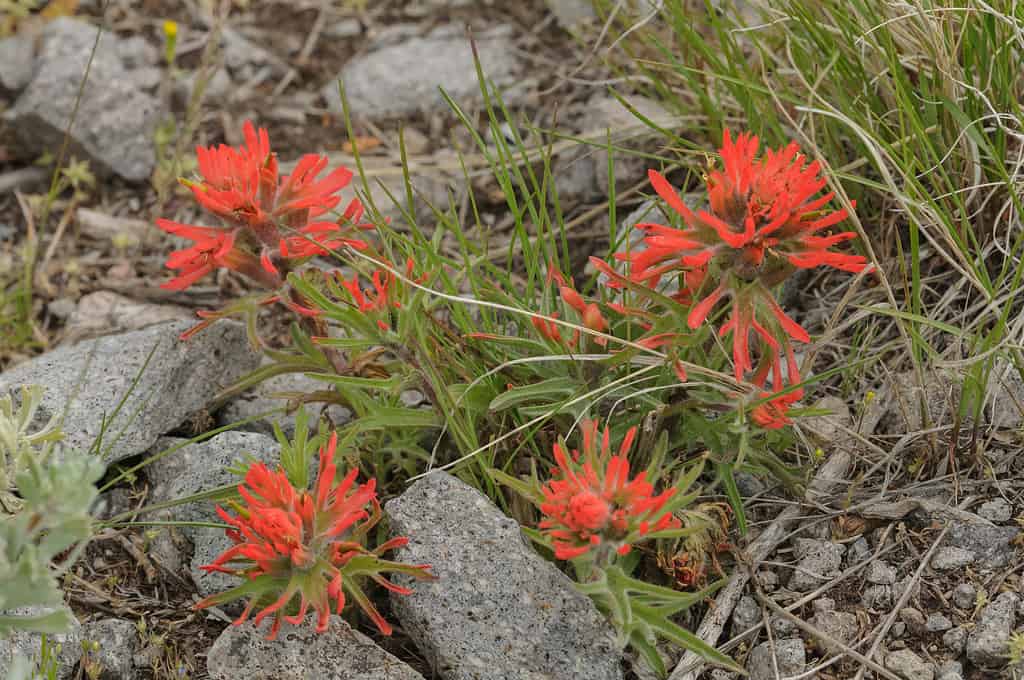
841 626
29 645
525 620
745 615
858 551
219 87
877 597
789 654
105 313
996 510
950 557
986 644
823 604
411 398
964 596
275 393
115 123
909 665
749 485
136 52
583 172
345 28
881 573
300 653
819 561
951 670
88 381
572 13
403 79
17 60
769 580
955 640
783 627
899 629
937 623
993 546
906 583
146 78
1004 396
204 467
242 55
914 619
111 644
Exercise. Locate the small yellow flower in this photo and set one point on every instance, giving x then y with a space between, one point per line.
171 29
171 35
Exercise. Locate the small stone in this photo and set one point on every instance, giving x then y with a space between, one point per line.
964 596
300 653
881 573
949 558
16 62
909 665
906 583
987 643
346 28
996 510
241 55
525 620
955 640
819 562
769 580
219 86
115 642
840 626
950 676
899 629
749 485
783 627
936 623
29 645
877 597
789 654
993 546
824 604
402 79
745 615
914 619
415 141
104 227
858 551
89 380
951 668
411 398
572 13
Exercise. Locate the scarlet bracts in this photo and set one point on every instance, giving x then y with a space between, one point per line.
292 542
591 502
764 219
268 220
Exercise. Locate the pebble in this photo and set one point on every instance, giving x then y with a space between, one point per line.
909 665
987 642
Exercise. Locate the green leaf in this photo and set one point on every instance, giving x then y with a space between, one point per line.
547 391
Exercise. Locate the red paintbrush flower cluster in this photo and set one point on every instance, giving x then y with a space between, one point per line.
765 219
270 221
592 502
308 543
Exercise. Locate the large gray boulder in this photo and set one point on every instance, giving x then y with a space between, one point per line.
403 79
300 653
497 609
88 381
115 122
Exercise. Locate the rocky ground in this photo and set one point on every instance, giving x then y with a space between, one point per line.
918 581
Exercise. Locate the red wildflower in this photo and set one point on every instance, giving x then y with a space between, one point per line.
301 542
382 297
592 502
270 218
